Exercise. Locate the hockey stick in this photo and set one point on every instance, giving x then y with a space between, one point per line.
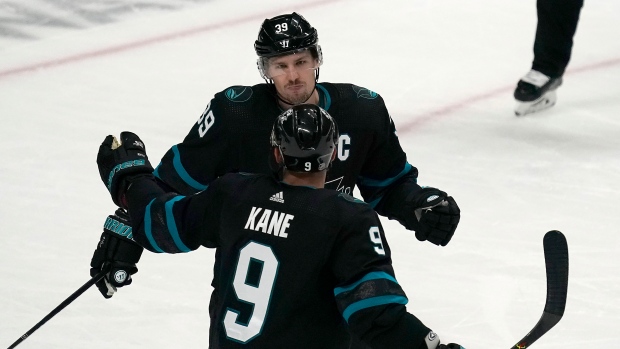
556 263
61 306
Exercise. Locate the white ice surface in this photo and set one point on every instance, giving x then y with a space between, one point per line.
446 70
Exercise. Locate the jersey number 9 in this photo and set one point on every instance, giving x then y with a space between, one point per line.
259 294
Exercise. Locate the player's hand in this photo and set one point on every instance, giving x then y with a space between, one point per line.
117 251
118 160
436 215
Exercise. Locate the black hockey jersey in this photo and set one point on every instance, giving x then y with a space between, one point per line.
296 267
233 135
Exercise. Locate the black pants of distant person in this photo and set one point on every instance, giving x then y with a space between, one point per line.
557 23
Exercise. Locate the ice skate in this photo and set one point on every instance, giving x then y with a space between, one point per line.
535 92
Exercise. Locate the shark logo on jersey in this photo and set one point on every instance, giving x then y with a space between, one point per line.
364 92
271 222
277 197
239 93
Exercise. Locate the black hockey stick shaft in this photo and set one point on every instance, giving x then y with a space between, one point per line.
61 306
556 263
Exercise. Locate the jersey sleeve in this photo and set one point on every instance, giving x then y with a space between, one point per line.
386 163
204 154
369 297
172 223
387 178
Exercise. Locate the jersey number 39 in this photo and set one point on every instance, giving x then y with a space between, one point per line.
205 121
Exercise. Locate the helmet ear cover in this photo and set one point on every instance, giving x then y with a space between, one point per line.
306 136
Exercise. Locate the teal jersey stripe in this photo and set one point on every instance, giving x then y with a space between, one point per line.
384 182
370 276
325 99
178 166
375 202
148 222
372 302
172 226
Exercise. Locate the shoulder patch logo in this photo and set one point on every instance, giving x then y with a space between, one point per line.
277 197
239 93
364 92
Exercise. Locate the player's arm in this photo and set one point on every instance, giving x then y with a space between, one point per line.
369 297
171 223
389 184
190 166
161 221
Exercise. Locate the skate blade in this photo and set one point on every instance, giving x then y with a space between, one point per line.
544 102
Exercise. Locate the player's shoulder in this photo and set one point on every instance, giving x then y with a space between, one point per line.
348 91
354 107
235 108
242 94
344 205
348 212
240 179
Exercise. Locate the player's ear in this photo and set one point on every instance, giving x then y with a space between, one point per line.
277 155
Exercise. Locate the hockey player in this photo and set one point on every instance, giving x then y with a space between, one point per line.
296 265
230 136
557 23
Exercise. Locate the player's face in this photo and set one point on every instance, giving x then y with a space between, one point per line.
293 76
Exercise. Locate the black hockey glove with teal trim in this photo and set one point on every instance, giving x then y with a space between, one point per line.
119 160
116 250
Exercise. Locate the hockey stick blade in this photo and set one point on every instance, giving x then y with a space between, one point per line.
556 263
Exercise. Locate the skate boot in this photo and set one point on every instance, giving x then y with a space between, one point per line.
535 92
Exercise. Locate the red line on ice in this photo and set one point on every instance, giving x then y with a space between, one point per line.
154 40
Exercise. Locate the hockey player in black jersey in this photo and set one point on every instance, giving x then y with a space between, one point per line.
297 266
231 135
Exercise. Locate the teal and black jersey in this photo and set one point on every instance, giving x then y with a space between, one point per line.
233 135
296 267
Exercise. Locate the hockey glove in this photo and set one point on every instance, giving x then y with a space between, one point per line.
117 161
436 215
116 250
432 342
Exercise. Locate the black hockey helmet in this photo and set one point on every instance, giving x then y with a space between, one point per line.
284 35
306 136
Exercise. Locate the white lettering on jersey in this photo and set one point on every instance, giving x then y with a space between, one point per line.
343 153
264 220
253 214
271 222
205 121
